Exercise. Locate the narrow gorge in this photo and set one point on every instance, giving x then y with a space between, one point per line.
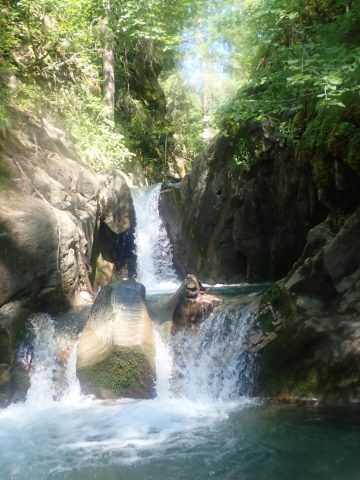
179 240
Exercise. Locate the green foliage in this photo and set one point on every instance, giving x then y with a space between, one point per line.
185 111
5 177
306 57
210 58
146 36
100 142
51 63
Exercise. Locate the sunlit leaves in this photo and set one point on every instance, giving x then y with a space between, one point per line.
304 53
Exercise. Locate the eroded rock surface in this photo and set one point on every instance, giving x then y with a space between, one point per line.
187 307
194 304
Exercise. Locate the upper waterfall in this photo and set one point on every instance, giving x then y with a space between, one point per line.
153 249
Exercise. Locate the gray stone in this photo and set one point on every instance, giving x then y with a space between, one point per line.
342 255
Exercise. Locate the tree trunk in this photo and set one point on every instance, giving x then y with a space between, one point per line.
108 66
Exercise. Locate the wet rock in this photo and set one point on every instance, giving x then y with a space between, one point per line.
342 254
5 379
194 304
186 308
315 352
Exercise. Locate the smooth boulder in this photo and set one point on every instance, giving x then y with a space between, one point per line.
116 354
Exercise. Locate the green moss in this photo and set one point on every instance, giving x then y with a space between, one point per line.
103 271
290 383
330 135
5 347
344 142
279 299
6 181
127 372
298 124
266 321
353 157
324 170
6 115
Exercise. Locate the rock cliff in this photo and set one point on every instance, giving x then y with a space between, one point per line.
229 224
53 214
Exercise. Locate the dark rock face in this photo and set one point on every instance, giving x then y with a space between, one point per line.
114 243
314 317
229 226
282 215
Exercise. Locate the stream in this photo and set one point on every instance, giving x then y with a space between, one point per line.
203 423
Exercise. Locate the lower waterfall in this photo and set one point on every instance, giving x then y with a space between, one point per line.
56 421
201 378
212 364
202 423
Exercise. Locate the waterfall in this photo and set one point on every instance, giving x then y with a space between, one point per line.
164 363
213 364
44 365
54 364
153 249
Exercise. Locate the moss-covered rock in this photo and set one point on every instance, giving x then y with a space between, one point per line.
6 181
127 372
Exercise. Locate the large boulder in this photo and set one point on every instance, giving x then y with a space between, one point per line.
43 250
116 355
47 215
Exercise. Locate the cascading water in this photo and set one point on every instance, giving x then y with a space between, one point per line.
153 247
163 366
212 364
44 365
52 378
57 431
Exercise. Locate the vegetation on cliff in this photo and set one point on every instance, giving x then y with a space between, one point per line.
92 67
302 61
